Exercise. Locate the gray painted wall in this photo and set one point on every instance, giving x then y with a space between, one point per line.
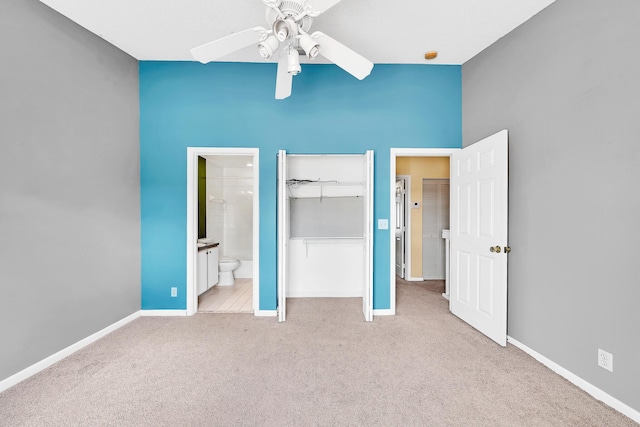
69 184
567 86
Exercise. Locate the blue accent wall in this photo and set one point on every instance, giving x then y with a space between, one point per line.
187 104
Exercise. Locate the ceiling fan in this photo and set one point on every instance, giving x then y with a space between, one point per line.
286 37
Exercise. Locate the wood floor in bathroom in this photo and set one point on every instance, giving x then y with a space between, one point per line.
228 299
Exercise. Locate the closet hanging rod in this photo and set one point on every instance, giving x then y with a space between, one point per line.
326 197
297 184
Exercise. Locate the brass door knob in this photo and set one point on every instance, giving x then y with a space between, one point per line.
496 249
507 249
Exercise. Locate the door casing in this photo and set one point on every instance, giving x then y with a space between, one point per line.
406 240
394 153
192 219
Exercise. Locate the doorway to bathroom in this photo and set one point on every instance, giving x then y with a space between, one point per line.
222 230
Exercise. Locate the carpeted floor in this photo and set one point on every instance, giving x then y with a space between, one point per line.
324 367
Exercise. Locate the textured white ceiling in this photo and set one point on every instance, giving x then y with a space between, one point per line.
385 32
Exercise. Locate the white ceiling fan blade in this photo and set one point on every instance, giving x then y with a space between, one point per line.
321 6
350 61
226 45
284 80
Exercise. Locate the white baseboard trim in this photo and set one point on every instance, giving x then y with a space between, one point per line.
56 357
265 313
586 386
163 313
414 279
383 312
331 294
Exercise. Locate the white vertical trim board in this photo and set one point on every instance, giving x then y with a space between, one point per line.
192 218
56 357
584 385
404 152
407 225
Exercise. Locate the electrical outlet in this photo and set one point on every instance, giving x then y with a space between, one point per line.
605 360
174 292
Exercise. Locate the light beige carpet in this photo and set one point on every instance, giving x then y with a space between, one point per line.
324 367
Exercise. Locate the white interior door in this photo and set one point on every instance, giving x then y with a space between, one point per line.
367 291
283 238
400 228
479 184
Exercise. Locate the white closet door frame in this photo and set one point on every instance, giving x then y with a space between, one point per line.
283 238
367 292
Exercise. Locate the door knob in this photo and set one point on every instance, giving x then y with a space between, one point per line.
507 249
497 249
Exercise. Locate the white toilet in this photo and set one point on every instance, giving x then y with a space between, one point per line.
226 267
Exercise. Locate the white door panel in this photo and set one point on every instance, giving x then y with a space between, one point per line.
400 228
367 292
283 238
479 185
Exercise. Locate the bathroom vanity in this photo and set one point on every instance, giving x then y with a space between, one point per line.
208 255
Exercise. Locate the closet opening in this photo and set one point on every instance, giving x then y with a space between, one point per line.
325 228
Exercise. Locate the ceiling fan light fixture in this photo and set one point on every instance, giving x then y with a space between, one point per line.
268 46
281 29
293 62
309 45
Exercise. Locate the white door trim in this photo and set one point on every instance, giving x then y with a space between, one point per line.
407 225
283 235
192 218
394 153
367 294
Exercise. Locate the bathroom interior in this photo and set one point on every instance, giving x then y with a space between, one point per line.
225 234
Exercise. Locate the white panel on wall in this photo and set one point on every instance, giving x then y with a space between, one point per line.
215 202
238 212
230 206
435 218
325 268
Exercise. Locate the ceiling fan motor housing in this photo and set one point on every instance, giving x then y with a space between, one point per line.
290 8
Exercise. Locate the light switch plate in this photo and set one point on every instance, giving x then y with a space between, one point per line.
383 224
